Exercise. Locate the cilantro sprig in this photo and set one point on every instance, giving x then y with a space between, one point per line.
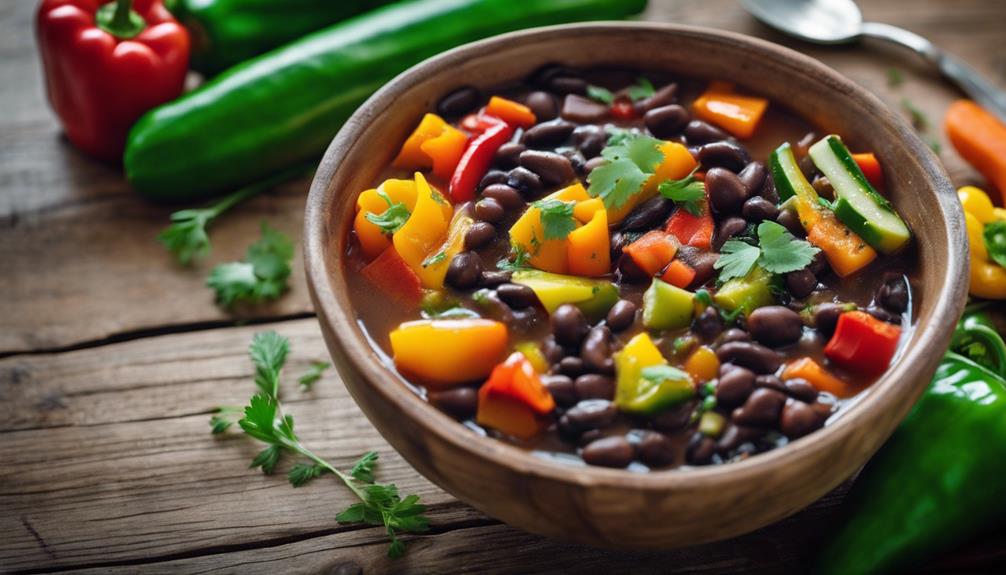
261 276
688 192
661 373
392 218
995 241
642 89
263 419
518 259
556 218
777 252
603 95
312 376
630 162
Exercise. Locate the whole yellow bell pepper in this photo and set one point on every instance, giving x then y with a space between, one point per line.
988 278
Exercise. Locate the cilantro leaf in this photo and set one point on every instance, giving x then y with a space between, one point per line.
661 373
223 418
301 473
736 259
688 192
232 281
556 218
600 94
392 218
521 259
313 375
630 163
645 152
995 241
186 237
363 469
262 276
268 351
781 252
643 88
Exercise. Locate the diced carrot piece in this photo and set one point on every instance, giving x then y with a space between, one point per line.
870 166
678 274
735 113
389 273
807 369
589 247
696 231
653 251
513 113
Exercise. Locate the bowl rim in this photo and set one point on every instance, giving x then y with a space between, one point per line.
356 347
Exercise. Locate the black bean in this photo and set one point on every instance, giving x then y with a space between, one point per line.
553 169
734 334
630 272
667 121
727 229
700 450
517 296
563 84
884 315
576 159
802 390
548 134
552 351
479 235
596 350
791 222
593 163
492 177
757 209
648 215
583 110
819 265
725 190
736 435
571 366
618 242
893 294
459 102
461 402
569 325
595 386
757 358
507 197
614 451
771 382
664 96
621 315
543 104
562 389
592 414
465 270
590 436
826 317
508 155
775 325
524 181
806 166
823 187
753 177
543 75
762 409
734 387
724 155
709 324
801 283
675 418
799 419
698 132
590 140
495 277
489 210
656 449
769 192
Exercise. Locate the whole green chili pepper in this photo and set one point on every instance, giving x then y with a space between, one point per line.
225 32
938 481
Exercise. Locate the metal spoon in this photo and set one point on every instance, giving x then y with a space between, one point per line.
840 22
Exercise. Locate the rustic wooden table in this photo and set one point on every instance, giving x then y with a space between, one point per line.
112 357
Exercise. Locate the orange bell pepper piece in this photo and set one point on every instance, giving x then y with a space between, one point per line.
736 114
589 247
511 112
584 211
847 253
513 399
870 166
980 138
863 343
653 251
528 232
425 230
443 353
445 151
389 273
412 156
678 274
373 240
678 162
807 369
703 364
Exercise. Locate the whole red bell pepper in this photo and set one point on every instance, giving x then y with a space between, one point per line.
106 64
477 158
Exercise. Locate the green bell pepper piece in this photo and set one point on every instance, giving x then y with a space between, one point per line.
938 481
645 383
747 293
667 307
593 297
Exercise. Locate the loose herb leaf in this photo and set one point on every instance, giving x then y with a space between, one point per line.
363 469
521 259
556 218
643 88
736 259
781 252
600 94
301 473
224 418
919 120
186 237
995 242
307 380
661 373
688 193
630 163
894 77
262 276
435 258
392 218
268 351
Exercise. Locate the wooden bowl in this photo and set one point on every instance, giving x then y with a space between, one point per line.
617 508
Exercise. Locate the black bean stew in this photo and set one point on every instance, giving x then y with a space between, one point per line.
631 271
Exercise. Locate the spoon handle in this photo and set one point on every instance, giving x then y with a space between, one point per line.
952 67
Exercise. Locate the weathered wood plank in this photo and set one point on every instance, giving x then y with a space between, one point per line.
77 246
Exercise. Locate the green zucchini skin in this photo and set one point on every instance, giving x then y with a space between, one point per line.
285 106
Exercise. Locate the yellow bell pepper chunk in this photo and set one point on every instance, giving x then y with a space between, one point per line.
533 353
584 211
677 163
636 394
988 278
372 239
528 232
589 247
426 228
433 269
977 203
640 352
447 352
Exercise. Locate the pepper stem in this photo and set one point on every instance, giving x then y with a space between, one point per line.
120 20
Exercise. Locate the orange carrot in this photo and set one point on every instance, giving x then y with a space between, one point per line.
511 112
807 369
980 138
653 251
870 165
678 274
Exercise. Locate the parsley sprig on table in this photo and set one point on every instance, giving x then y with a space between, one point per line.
777 252
556 218
631 161
261 276
688 192
308 380
263 419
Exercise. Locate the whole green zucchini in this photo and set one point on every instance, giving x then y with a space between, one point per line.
284 106
225 32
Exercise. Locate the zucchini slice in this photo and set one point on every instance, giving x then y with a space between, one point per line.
789 180
857 204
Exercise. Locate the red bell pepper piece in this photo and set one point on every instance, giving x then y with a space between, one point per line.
678 274
863 343
623 109
107 64
870 166
476 159
696 231
389 273
513 400
651 252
